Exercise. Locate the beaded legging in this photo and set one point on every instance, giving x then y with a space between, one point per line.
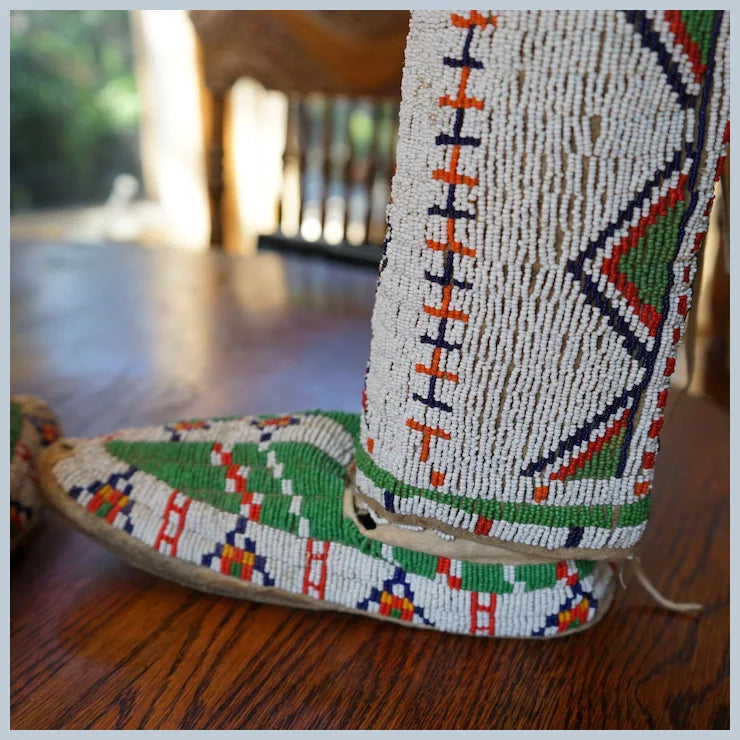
555 176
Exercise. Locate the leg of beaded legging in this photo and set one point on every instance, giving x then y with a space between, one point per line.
555 175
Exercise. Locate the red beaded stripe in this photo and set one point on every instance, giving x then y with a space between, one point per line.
477 608
678 29
579 461
315 587
180 512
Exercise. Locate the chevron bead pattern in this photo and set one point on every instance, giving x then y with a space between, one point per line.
555 173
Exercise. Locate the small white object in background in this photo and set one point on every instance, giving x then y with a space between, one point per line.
122 223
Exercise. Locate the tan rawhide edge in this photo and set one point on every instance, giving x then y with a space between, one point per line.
471 546
426 540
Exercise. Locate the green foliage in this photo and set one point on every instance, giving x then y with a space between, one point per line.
73 105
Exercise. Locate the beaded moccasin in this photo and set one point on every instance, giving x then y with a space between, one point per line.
32 427
257 507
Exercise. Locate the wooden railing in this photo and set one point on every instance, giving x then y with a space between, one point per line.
339 174
337 168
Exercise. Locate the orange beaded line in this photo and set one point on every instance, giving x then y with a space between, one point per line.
452 178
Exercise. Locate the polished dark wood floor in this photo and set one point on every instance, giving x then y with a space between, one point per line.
115 336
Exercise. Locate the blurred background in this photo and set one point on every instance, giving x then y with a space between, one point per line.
156 126
238 131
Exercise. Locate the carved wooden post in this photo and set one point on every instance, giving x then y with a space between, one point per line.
215 168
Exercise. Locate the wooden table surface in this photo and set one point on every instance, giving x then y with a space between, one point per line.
115 336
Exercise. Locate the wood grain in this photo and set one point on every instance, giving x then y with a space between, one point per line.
308 51
115 336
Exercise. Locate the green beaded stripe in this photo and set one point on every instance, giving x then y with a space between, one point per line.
319 481
699 25
488 576
16 421
315 477
603 464
648 264
520 513
187 467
